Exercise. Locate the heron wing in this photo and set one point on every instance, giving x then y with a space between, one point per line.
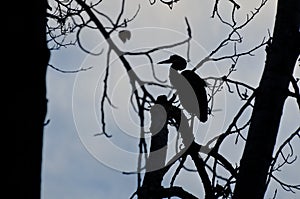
198 85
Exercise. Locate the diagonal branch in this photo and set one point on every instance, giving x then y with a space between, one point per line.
230 38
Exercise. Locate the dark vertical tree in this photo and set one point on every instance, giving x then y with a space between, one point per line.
282 55
25 106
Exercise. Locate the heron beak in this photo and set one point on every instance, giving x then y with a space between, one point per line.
167 61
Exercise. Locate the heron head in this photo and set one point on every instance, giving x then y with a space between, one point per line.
177 62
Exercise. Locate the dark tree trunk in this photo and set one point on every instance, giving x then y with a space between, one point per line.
25 104
158 152
271 94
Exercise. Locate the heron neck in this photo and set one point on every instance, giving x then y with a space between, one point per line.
174 76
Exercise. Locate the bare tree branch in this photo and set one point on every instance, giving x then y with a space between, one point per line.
296 89
231 39
69 71
286 160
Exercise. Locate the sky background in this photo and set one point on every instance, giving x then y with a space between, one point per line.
78 165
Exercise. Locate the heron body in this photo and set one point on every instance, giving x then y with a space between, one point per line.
189 87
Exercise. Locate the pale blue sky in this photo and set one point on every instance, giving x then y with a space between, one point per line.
75 166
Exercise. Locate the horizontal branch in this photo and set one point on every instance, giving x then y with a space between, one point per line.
69 71
147 52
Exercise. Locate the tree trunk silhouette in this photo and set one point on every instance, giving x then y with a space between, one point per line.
282 55
25 104
158 153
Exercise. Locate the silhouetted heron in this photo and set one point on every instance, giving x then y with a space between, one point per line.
190 87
